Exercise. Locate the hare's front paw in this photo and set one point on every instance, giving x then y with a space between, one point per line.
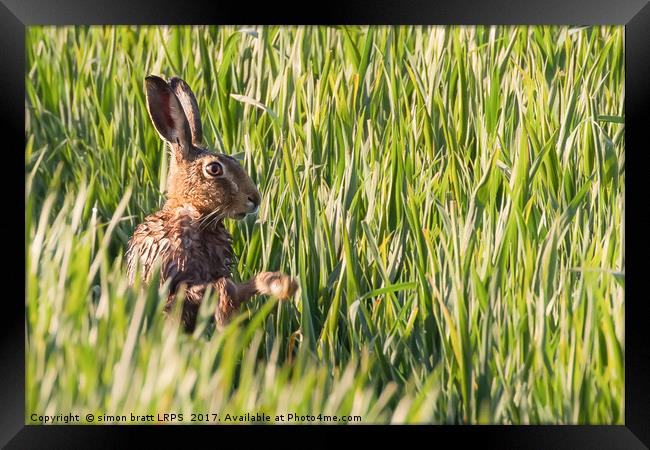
276 284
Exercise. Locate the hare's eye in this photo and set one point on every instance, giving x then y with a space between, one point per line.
214 169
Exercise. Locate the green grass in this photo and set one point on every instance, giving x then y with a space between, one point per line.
451 200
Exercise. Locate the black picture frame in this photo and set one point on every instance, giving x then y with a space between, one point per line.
15 15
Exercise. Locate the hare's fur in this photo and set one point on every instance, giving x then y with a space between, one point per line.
187 237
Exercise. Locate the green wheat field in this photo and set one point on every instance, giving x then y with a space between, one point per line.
450 200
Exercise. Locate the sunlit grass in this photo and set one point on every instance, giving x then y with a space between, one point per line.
451 201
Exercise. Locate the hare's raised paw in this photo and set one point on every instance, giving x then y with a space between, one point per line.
276 284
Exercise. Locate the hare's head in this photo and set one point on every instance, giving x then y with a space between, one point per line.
212 182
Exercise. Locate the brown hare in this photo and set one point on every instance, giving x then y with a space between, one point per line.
187 237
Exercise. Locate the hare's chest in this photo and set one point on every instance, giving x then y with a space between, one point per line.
208 255
186 251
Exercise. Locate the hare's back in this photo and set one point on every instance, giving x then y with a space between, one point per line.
151 243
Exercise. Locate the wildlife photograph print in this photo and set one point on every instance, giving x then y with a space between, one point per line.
324 225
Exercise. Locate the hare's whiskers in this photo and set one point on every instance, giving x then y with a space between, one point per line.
211 218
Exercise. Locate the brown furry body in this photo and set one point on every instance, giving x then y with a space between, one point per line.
187 252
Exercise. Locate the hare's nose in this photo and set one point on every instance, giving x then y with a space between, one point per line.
255 200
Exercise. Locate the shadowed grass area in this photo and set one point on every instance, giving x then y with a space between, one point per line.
451 200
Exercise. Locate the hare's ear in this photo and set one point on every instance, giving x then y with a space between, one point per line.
168 116
190 106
